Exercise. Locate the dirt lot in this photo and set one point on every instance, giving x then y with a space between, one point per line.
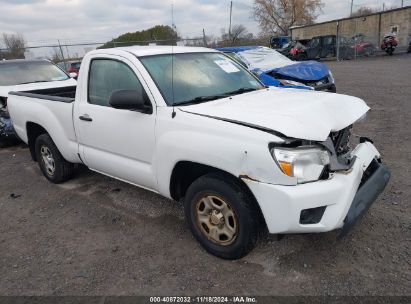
98 236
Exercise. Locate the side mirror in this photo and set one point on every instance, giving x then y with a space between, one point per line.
73 75
131 100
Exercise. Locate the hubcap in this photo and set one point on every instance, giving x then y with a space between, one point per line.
216 220
48 160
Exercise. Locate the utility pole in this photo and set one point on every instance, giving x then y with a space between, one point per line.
383 7
61 50
231 15
204 38
352 4
402 3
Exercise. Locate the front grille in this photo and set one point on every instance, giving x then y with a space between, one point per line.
341 140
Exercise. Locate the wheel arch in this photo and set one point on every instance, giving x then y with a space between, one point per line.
185 173
34 130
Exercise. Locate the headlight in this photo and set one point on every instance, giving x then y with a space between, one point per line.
306 163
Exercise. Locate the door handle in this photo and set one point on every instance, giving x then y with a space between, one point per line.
85 117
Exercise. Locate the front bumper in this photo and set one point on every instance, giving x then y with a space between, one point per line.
373 183
341 195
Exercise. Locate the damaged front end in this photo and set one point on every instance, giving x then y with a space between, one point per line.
310 161
340 159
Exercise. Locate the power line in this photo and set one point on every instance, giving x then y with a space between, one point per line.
352 3
231 16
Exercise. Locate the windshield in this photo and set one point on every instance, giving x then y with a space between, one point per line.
264 58
288 44
22 72
198 77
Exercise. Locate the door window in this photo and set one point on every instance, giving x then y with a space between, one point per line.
329 40
107 76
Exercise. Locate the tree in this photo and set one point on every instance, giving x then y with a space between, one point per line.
159 34
56 55
238 32
15 45
277 16
363 11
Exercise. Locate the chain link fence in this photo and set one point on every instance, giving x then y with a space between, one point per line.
342 46
356 45
66 54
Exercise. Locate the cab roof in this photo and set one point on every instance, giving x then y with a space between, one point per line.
141 51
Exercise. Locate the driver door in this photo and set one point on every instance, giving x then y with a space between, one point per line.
118 143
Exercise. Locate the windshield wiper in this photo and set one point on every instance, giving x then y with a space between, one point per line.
241 91
200 99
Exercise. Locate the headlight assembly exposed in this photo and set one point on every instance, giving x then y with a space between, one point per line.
304 163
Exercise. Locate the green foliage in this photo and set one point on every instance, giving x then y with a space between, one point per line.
160 34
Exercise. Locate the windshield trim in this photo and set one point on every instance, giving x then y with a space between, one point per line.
158 87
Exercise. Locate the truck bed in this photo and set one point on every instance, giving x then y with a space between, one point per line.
50 109
64 94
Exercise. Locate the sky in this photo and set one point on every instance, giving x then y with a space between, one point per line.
43 22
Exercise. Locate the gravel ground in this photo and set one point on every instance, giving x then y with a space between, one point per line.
98 236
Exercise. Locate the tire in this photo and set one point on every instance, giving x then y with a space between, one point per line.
54 167
240 216
3 143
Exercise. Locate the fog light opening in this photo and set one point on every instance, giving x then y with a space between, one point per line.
312 216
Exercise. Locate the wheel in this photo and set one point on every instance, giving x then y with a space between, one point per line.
3 143
372 51
6 142
222 216
54 167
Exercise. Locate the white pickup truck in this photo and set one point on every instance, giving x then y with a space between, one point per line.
193 125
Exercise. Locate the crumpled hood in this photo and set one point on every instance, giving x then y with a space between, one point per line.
298 114
308 71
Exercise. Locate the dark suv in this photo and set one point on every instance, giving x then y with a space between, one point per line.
326 46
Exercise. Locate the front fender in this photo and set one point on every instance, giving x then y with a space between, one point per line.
236 149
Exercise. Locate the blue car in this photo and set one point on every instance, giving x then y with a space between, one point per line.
274 69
